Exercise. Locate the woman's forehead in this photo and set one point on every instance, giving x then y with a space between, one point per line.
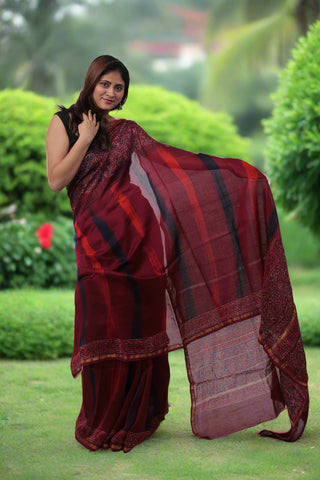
113 77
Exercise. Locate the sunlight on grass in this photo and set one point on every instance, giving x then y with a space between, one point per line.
40 402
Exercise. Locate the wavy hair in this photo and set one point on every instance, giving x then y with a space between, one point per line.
100 66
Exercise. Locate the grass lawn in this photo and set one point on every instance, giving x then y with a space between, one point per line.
39 403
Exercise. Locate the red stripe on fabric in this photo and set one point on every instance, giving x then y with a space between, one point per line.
110 325
194 203
126 205
253 174
128 208
154 260
88 250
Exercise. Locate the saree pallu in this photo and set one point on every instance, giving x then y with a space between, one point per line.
178 250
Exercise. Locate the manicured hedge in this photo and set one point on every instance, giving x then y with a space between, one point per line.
24 120
169 117
175 120
39 324
36 324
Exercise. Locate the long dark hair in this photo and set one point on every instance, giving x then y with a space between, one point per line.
100 66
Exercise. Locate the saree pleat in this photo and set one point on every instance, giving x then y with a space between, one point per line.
123 402
180 250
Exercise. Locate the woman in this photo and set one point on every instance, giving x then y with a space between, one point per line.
173 250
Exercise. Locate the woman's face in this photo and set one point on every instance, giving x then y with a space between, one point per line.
109 91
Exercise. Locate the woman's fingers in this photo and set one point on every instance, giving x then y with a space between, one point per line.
91 117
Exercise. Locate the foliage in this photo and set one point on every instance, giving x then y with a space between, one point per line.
302 248
27 30
24 120
293 150
310 330
306 285
169 117
247 43
182 80
40 37
23 262
36 325
173 119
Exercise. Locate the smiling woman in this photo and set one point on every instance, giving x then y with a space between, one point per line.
174 249
105 89
109 91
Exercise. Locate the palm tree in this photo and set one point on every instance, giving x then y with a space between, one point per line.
247 43
27 33
34 34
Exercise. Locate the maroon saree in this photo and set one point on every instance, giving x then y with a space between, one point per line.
178 250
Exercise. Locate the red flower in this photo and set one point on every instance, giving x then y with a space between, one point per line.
44 234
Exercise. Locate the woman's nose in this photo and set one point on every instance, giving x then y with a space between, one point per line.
111 91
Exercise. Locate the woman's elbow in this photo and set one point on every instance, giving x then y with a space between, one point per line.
54 186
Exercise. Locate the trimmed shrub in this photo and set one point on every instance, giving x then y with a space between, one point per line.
169 117
39 324
175 120
24 120
293 147
310 330
23 262
36 325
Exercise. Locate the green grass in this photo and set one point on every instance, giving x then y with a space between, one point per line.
40 401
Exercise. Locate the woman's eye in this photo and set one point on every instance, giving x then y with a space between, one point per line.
119 89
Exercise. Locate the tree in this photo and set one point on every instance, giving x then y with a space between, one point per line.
247 43
293 149
27 35
38 38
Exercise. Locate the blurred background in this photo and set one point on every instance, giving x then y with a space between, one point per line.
233 78
237 78
226 54
203 75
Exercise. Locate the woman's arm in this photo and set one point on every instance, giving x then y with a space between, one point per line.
62 163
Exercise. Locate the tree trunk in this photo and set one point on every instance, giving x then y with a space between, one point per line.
307 12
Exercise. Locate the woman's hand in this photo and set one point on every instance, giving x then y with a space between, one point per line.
89 127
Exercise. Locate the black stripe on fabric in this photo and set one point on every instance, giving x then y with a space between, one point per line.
93 386
84 311
272 224
214 169
183 271
137 397
115 246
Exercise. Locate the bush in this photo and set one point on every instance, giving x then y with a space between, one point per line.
39 324
36 325
293 147
175 120
24 120
310 331
169 117
301 247
23 262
